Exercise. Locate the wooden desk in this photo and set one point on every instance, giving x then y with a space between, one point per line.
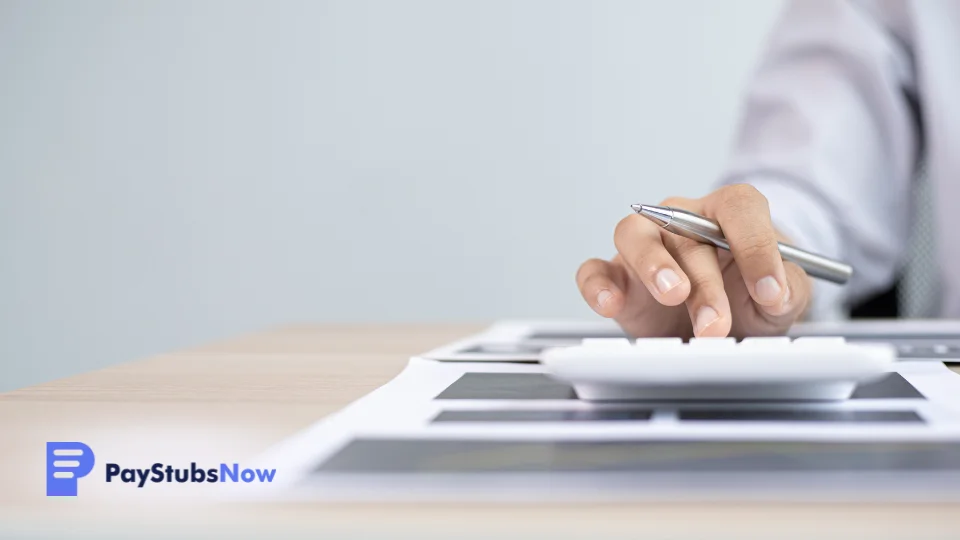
232 400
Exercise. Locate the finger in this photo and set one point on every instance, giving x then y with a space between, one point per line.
707 305
641 247
603 287
744 216
796 298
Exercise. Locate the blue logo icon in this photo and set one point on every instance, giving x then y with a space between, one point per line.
67 462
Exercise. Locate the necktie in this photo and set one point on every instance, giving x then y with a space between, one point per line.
918 295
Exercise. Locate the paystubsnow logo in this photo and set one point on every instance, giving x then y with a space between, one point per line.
160 473
69 461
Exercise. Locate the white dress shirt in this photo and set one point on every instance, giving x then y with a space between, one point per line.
849 98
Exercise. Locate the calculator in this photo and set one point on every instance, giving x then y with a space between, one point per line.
759 368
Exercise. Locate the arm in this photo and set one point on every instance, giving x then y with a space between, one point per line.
829 144
830 138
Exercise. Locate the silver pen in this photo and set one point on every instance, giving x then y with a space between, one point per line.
708 231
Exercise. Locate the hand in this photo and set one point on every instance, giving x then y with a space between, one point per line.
662 284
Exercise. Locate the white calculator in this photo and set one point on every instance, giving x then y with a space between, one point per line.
763 368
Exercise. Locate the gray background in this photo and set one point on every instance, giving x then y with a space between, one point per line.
176 172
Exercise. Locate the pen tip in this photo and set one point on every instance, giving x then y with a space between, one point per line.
661 215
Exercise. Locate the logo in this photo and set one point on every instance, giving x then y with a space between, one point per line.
66 463
159 473
69 461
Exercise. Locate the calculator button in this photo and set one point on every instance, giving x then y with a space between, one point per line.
819 345
606 342
778 341
825 340
941 349
713 342
659 341
645 344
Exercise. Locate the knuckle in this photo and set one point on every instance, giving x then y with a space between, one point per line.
586 269
622 230
680 202
757 246
703 283
642 266
673 201
686 248
741 191
740 195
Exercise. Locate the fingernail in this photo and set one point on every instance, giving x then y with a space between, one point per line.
768 290
602 298
666 280
705 317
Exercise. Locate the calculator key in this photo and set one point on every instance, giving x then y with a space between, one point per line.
713 342
606 342
777 341
818 345
659 341
651 344
828 340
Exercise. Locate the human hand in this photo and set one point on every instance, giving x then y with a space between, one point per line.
663 284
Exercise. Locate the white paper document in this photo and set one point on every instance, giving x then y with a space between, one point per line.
522 341
509 431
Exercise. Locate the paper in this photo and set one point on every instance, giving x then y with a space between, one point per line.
522 341
508 431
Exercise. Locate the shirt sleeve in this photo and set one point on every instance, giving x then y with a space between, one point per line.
829 135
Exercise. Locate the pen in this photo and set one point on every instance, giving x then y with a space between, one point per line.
706 230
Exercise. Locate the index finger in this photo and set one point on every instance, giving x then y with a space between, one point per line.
744 217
